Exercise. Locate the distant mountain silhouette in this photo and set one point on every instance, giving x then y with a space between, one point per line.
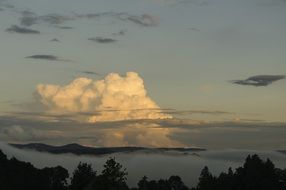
84 150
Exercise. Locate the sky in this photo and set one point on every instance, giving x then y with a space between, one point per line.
144 72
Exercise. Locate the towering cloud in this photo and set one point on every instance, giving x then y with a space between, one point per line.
112 99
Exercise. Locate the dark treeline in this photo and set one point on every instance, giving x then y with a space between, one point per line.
255 174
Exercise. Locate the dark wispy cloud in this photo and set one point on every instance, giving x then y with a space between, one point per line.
4 4
103 40
90 73
55 40
120 33
182 2
45 57
194 29
21 30
65 27
54 18
259 80
142 20
30 18
97 15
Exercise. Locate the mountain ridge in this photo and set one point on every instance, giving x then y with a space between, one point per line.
78 149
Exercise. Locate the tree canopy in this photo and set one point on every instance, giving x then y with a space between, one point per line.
254 174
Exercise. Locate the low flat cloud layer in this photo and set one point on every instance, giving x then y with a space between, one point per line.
66 128
19 133
259 80
21 30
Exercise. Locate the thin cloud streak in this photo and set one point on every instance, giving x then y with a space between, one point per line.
45 57
30 18
190 112
55 40
21 30
120 33
103 40
65 27
142 20
91 73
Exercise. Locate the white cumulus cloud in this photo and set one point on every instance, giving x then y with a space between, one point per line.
113 98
